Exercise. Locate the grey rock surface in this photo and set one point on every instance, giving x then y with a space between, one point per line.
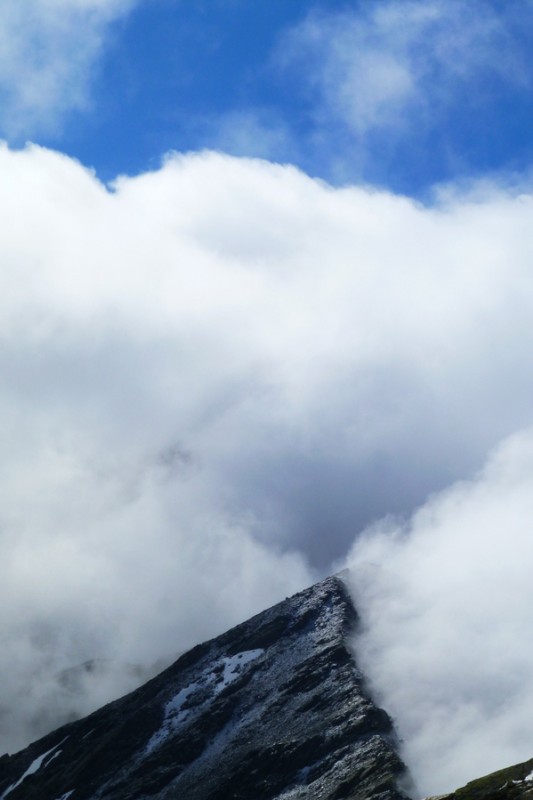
274 709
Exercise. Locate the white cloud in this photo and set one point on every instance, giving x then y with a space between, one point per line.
219 372
400 65
446 601
253 132
48 51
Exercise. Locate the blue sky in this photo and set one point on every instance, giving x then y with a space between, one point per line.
373 92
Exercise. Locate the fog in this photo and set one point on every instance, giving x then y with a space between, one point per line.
217 374
446 601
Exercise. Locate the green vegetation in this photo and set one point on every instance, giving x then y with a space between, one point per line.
506 784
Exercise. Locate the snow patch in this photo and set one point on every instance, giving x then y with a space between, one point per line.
233 666
222 673
54 756
527 779
34 766
174 716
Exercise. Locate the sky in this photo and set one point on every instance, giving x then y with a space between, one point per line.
265 308
401 95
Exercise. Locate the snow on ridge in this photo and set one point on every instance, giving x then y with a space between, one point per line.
233 666
221 673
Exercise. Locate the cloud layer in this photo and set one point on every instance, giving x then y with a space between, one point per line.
447 602
214 376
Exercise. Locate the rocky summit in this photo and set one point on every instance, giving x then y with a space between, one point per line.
274 709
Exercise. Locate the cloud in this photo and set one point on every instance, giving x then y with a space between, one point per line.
254 132
48 50
446 601
214 375
410 73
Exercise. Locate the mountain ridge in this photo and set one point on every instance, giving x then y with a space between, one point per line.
274 708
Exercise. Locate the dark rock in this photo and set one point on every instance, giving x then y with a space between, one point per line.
274 708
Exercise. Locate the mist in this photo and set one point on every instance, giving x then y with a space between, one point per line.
215 376
446 601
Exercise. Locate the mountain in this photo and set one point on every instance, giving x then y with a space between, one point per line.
512 783
274 709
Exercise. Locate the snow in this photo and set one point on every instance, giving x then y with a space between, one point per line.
233 666
174 706
54 756
174 716
527 779
66 795
222 673
34 766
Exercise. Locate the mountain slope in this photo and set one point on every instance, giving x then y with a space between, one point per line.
512 783
274 708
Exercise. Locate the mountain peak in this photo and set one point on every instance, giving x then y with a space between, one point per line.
273 708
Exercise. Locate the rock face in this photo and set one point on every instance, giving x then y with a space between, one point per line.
274 708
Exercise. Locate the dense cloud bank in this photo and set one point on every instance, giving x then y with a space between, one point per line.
447 600
214 376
